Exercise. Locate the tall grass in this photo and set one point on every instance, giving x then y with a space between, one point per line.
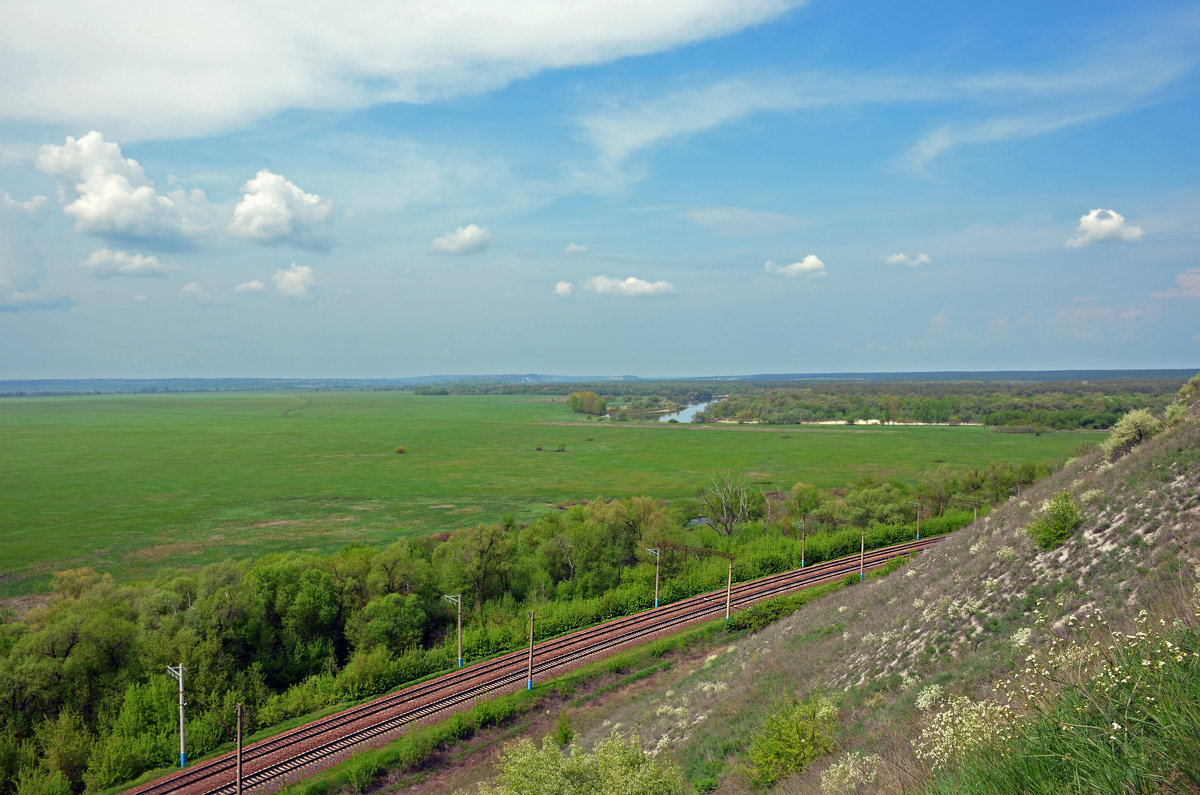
1112 713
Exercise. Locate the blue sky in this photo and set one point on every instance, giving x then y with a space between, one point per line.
597 188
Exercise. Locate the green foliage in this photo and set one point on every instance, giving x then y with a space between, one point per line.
1130 431
1056 520
587 403
796 732
764 613
362 771
563 733
616 766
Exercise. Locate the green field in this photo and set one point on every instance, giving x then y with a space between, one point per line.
129 483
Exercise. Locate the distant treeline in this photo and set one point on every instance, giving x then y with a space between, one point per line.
667 393
85 699
1058 405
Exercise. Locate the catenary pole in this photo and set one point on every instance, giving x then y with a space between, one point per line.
531 650
655 553
178 674
458 601
239 749
728 593
862 551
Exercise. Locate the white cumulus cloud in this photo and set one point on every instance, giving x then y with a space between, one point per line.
296 282
912 262
1100 225
33 206
252 286
631 286
1187 285
809 266
104 263
465 240
563 288
109 194
574 248
274 210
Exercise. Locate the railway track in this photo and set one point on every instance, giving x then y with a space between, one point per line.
268 764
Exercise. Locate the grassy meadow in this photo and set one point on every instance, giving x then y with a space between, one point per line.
126 483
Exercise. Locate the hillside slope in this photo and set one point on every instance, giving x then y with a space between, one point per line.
961 617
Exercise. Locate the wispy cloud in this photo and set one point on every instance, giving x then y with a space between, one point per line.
987 106
912 262
739 221
104 263
334 56
192 291
1187 285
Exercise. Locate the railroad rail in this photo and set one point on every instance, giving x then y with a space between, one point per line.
268 764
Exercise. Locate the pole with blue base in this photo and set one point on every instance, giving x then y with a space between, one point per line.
531 649
178 674
458 601
654 552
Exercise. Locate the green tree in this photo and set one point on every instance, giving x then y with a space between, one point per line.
475 561
393 621
587 403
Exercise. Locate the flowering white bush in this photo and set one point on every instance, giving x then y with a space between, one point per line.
928 698
854 772
962 726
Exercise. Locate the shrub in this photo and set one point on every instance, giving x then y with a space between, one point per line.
1175 413
563 733
362 771
796 733
854 772
1055 522
400 450
1131 430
